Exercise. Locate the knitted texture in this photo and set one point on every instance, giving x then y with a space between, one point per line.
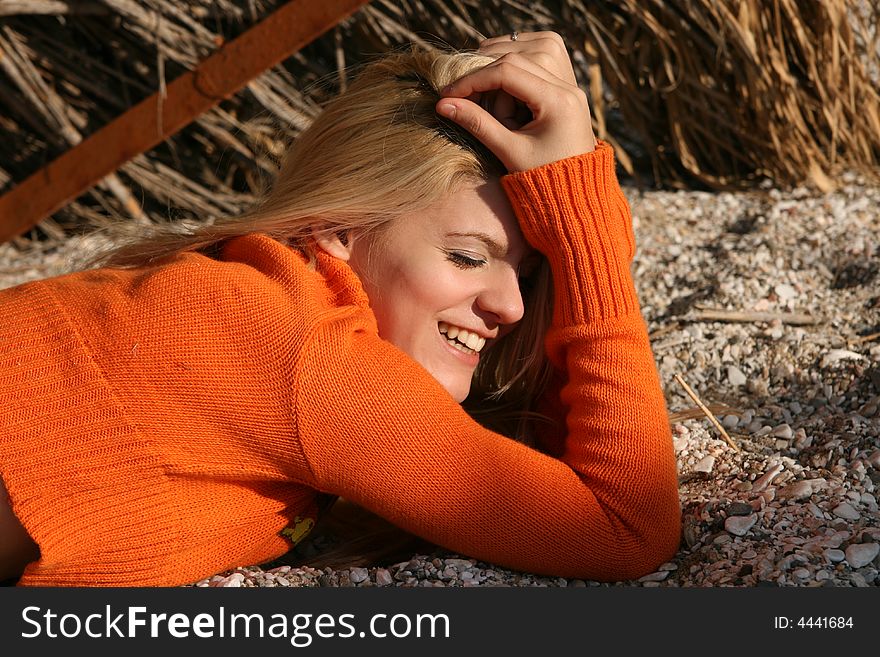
161 424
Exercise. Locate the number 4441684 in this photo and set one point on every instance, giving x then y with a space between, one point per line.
813 622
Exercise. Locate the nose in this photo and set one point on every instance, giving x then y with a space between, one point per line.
502 297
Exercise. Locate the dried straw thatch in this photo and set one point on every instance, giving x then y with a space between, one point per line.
720 93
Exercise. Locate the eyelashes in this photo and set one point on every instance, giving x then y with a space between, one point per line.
463 261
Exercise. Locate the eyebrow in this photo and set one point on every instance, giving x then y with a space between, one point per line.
495 249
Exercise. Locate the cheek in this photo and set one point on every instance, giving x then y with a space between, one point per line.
413 297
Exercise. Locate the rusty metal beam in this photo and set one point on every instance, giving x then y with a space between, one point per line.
288 29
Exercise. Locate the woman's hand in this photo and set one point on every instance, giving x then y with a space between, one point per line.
525 106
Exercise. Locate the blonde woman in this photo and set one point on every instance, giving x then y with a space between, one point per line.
447 235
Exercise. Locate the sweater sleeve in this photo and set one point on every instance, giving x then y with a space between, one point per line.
386 435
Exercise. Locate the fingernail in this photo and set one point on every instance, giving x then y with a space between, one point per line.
446 89
447 110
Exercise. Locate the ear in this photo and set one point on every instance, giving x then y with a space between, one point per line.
336 244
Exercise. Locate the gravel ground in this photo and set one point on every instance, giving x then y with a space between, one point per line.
795 364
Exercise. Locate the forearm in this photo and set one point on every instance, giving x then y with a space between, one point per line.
618 438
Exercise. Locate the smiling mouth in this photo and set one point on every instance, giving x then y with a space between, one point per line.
462 339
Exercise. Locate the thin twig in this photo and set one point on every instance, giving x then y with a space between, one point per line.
705 410
712 315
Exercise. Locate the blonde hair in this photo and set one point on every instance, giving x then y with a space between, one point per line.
377 152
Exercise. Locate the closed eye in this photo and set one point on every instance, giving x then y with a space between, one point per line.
463 261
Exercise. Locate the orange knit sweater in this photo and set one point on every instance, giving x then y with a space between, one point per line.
162 424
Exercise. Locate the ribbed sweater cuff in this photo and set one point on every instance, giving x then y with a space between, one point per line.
574 212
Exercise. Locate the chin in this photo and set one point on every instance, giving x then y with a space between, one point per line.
458 391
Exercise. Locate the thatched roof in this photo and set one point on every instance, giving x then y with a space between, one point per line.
692 92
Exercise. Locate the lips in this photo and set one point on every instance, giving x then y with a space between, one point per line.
461 338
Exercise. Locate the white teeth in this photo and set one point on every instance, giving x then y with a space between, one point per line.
460 337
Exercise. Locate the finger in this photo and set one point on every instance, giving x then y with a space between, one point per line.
545 54
523 37
530 63
480 123
529 86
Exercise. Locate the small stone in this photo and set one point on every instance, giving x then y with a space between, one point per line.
735 376
818 484
837 355
846 511
383 577
659 576
785 292
802 573
705 464
730 421
358 575
764 480
739 509
874 459
233 581
783 431
799 490
834 555
861 554
858 580
740 525
802 440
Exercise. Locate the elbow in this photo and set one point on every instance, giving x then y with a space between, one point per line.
655 541
641 545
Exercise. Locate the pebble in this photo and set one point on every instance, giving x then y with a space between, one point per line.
845 510
799 490
740 525
764 480
232 581
739 509
358 575
802 573
837 355
383 577
705 464
785 292
834 555
783 431
861 554
735 376
730 421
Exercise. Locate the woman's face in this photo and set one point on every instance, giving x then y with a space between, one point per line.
444 282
